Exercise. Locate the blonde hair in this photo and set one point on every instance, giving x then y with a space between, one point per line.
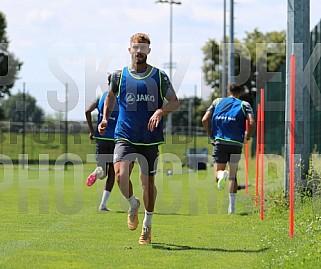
140 38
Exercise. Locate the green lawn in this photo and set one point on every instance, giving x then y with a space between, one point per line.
11 145
49 219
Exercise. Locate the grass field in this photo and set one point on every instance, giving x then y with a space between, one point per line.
49 218
11 145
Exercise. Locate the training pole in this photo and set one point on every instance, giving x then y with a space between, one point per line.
262 156
292 137
257 160
247 161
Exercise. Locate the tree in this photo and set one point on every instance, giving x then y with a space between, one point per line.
212 66
188 113
259 53
18 110
211 62
2 113
9 65
267 52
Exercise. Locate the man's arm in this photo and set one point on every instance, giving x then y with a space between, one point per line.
171 105
109 101
207 118
251 120
109 104
206 121
252 126
89 109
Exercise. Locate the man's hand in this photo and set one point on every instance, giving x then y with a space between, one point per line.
154 120
102 127
247 137
91 136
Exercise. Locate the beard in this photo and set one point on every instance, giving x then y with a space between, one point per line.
140 58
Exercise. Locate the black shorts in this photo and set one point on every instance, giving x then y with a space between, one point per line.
104 153
224 153
147 156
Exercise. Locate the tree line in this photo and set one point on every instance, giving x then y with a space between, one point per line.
257 56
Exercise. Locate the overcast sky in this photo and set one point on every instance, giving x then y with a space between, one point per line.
77 42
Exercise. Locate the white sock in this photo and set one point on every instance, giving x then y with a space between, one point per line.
105 197
132 201
219 174
232 199
147 222
99 171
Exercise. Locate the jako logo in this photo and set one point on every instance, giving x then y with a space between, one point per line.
131 98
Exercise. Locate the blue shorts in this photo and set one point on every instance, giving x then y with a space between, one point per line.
224 153
147 156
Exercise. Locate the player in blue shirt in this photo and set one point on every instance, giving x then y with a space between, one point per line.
224 122
140 90
104 147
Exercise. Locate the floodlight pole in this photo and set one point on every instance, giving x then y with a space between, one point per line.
171 2
231 44
195 124
223 80
24 125
66 127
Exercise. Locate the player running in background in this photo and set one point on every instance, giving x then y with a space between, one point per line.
224 122
104 147
140 90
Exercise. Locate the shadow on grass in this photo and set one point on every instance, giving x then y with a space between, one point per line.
184 214
248 213
157 213
164 246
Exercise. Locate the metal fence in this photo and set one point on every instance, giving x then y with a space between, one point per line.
315 109
275 107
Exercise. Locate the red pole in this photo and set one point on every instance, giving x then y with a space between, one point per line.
262 156
257 161
292 136
247 161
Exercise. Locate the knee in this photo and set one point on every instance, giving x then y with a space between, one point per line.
148 183
117 174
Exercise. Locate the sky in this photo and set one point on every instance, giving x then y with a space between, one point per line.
69 46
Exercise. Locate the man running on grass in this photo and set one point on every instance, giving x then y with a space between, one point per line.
224 122
104 147
140 89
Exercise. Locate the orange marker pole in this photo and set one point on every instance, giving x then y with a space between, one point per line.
257 161
262 157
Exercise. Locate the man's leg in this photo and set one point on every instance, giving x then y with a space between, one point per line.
218 168
110 178
122 171
221 175
99 170
149 196
220 158
232 187
108 187
148 163
105 160
149 191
